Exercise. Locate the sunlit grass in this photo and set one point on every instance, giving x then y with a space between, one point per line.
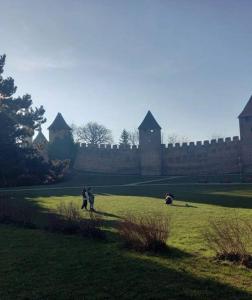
64 267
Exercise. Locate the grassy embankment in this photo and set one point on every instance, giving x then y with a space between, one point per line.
35 264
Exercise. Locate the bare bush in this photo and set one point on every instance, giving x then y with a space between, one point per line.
68 220
229 239
69 210
17 212
146 233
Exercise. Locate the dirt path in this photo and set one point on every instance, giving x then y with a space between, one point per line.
116 185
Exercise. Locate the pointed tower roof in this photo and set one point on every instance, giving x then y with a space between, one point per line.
149 122
59 123
40 138
247 111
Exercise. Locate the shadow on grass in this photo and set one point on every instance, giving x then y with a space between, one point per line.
72 268
105 214
235 196
184 205
89 269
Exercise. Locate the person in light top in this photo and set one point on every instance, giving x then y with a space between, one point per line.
91 198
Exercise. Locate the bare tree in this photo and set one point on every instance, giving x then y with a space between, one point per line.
175 138
94 133
134 137
74 131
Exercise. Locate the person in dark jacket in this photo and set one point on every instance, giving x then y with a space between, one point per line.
85 198
169 198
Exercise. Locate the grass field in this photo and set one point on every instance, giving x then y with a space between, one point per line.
35 264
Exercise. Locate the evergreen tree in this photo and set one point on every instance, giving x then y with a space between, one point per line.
124 139
18 120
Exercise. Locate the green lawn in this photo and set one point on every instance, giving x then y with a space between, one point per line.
39 265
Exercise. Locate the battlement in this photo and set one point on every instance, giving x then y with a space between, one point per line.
84 146
204 144
115 159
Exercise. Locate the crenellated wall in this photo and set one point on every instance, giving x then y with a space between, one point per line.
215 156
108 159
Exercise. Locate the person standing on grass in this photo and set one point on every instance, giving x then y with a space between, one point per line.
91 198
85 197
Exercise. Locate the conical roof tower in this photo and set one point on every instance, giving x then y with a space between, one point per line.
40 138
58 128
247 111
149 122
59 123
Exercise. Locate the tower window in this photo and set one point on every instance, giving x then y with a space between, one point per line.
152 130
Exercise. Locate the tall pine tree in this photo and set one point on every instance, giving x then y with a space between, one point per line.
124 139
18 120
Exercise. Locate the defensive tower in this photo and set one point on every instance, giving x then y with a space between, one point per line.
245 121
58 128
150 146
40 143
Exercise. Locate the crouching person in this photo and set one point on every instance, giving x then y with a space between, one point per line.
169 198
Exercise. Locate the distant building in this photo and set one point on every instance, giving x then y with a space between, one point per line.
58 128
41 144
229 155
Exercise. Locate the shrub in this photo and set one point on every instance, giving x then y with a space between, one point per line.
17 212
146 233
59 170
69 210
229 240
68 220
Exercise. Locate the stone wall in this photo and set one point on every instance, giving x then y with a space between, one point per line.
108 159
209 157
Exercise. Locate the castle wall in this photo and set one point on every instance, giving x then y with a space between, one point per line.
107 159
209 157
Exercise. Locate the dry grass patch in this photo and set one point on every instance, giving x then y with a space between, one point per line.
146 233
68 220
230 240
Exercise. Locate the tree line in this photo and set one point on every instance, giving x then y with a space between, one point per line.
97 134
21 164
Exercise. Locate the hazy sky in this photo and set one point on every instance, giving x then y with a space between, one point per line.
189 62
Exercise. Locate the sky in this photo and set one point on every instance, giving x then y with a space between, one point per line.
110 61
